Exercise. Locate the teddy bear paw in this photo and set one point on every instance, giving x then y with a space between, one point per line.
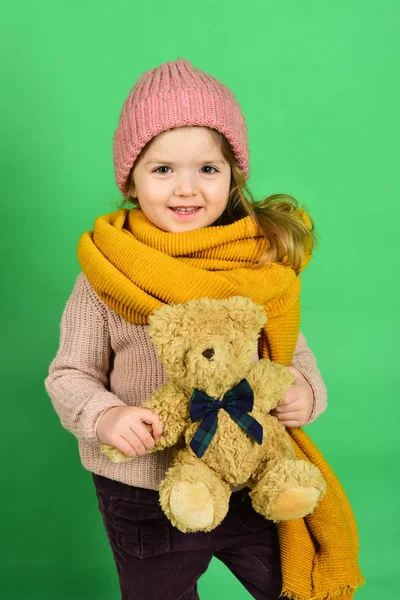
295 503
192 505
113 454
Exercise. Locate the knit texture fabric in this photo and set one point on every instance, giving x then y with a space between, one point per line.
103 361
135 267
176 94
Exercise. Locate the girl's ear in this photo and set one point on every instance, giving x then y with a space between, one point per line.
131 185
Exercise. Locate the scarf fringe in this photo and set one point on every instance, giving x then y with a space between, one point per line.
344 592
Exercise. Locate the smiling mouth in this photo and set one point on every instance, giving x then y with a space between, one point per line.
185 210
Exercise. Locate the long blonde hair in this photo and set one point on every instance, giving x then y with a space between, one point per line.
279 217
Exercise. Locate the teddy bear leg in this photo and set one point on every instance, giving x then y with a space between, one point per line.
192 496
288 489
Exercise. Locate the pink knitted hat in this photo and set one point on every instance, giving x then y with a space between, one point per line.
176 94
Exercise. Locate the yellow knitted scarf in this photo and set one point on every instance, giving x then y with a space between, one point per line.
134 267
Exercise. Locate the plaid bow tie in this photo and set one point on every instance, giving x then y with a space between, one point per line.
237 403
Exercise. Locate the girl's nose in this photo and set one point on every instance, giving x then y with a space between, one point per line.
186 186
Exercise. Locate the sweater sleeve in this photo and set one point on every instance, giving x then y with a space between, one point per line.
305 362
78 376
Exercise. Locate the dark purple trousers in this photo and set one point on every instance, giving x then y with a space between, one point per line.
156 561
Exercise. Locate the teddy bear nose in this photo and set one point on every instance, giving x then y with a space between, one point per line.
208 354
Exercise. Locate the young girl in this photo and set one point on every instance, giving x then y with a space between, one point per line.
181 159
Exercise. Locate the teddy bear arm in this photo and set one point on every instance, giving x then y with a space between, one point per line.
270 381
278 444
172 407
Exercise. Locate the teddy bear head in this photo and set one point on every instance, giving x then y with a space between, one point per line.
207 344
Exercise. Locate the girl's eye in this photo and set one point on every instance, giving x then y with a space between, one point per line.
210 167
163 170
158 170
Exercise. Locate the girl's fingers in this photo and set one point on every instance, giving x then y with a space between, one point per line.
152 419
292 417
282 406
132 438
143 435
157 428
125 447
285 408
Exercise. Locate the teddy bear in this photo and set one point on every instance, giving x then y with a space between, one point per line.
215 409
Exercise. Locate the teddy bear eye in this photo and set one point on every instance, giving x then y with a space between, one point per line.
208 354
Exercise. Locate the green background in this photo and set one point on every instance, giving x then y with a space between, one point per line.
318 84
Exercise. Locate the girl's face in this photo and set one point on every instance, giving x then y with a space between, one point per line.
182 182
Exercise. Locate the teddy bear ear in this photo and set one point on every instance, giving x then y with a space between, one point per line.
165 322
246 314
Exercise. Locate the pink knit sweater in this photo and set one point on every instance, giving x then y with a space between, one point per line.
104 361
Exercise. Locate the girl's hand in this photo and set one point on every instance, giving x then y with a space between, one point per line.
295 409
123 427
